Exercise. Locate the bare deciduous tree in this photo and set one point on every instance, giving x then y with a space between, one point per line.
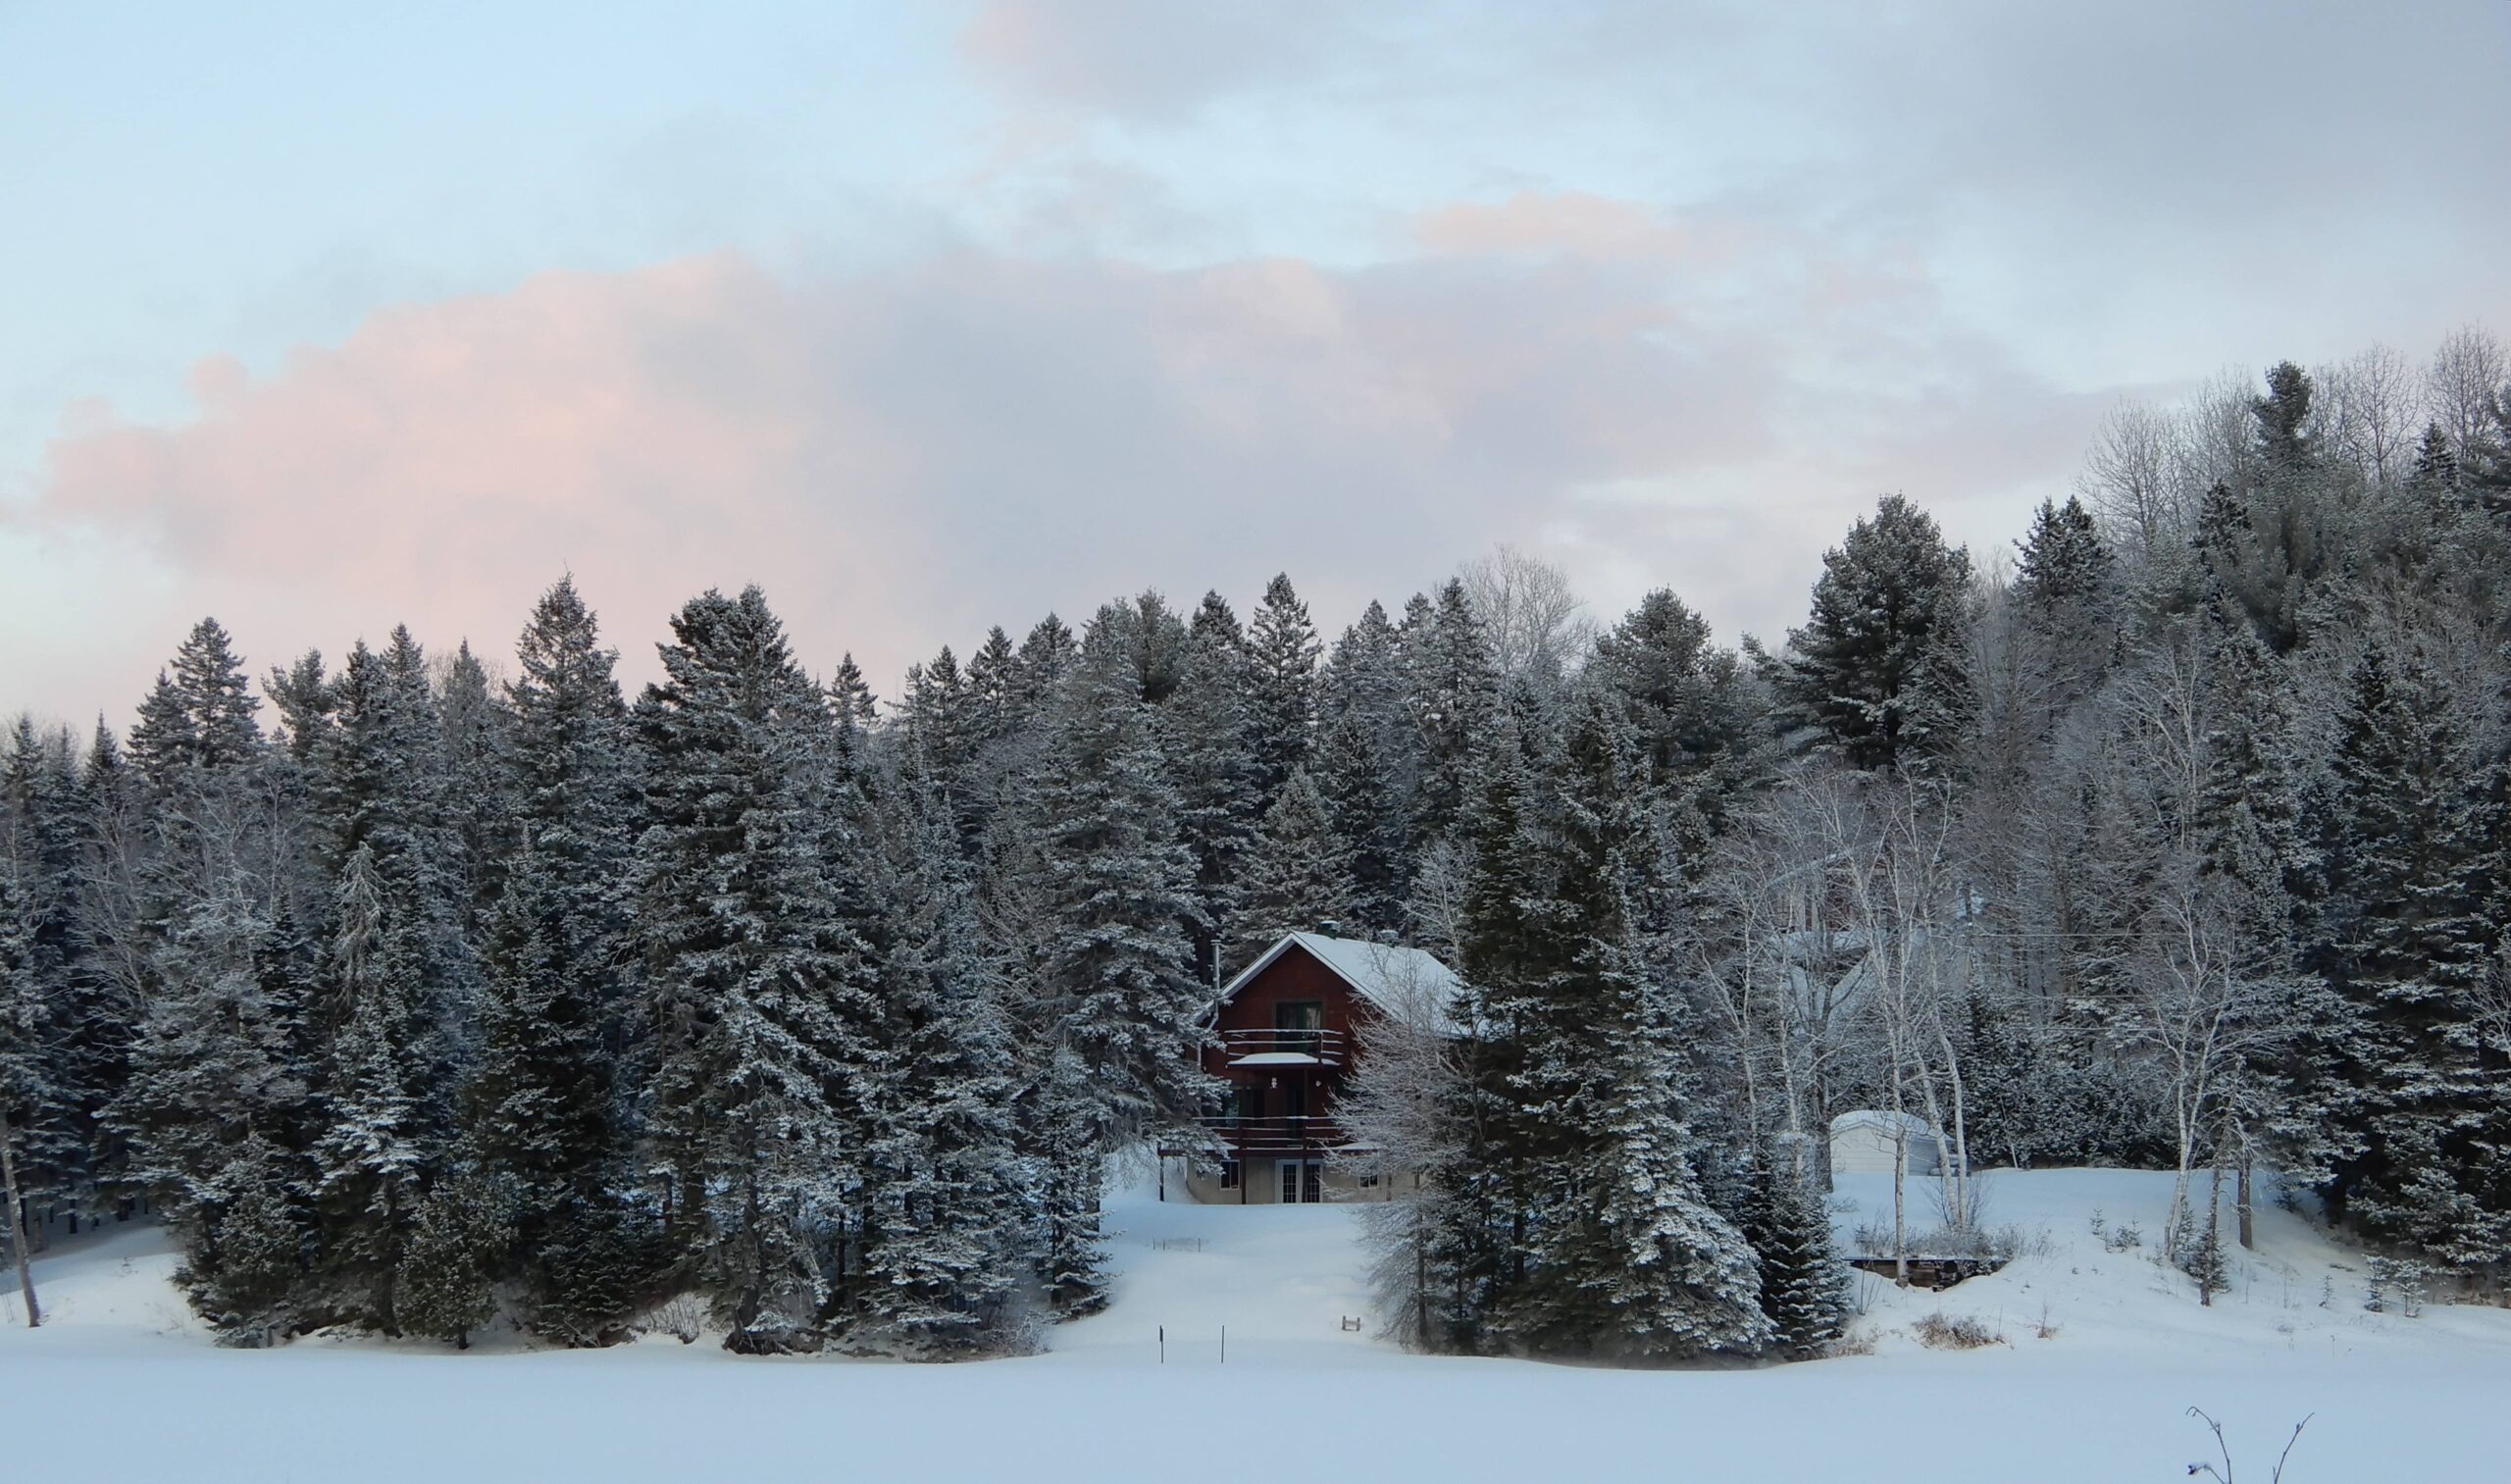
2461 386
1537 623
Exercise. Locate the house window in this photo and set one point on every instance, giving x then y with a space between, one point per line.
1296 1023
1368 1182
1248 1105
1229 1174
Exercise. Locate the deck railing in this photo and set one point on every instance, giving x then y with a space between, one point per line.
1327 1047
1283 1135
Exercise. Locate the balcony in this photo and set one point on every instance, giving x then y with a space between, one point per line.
1291 1134
1282 1049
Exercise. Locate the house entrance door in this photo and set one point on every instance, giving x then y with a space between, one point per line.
1302 1181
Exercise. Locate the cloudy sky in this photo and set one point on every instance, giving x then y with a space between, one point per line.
932 317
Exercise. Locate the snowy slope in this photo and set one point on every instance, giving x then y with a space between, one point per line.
124 1377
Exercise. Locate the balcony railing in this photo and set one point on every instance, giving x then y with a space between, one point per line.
1287 1134
1263 1048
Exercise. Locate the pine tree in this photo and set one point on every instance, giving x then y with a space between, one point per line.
1282 651
1206 742
1297 877
1698 720
1124 1004
758 990
1803 1285
246 1273
55 1143
2066 590
1454 698
540 1128
1622 1253
480 814
1366 815
2399 1093
459 1243
1877 663
946 1270
386 1134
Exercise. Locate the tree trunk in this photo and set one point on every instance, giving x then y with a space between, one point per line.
2241 1187
18 1223
1900 1186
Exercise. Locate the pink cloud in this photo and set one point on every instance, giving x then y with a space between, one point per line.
905 456
1577 223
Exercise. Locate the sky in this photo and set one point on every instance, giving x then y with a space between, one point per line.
927 317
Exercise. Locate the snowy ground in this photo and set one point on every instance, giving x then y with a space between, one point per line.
121 1381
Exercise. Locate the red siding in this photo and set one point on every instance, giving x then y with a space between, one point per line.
1295 975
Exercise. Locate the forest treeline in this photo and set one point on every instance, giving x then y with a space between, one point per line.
415 999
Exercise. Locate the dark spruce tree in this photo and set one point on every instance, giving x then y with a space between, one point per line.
759 992
1297 877
2400 1108
1803 1285
1622 1254
946 1270
1454 698
1877 665
1123 1002
1282 651
1206 742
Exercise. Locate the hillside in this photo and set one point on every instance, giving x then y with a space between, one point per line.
2391 1397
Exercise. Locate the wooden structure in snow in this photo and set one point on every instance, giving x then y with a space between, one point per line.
1289 1029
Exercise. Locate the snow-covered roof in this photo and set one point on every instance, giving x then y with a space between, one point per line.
1880 1120
1275 1058
1397 980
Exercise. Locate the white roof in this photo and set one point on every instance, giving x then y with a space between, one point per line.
1880 1119
1397 980
1275 1058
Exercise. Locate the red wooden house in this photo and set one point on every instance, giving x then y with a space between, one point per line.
1288 1032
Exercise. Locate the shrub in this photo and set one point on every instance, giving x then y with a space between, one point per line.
1941 1331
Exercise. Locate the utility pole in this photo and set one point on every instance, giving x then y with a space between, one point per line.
16 1222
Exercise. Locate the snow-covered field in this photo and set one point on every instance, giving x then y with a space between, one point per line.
120 1382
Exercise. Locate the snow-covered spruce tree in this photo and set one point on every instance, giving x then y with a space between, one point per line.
192 869
478 803
1365 763
1622 1254
1206 736
1066 1132
1282 651
457 1246
1123 1005
385 1131
1803 1285
1876 664
1469 1249
2066 593
219 1114
1045 657
247 1275
52 1121
380 784
947 1260
2398 1089
1365 813
758 993
1454 694
540 1132
1297 877
1699 725
556 1006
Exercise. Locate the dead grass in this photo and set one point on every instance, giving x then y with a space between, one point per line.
1941 1331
